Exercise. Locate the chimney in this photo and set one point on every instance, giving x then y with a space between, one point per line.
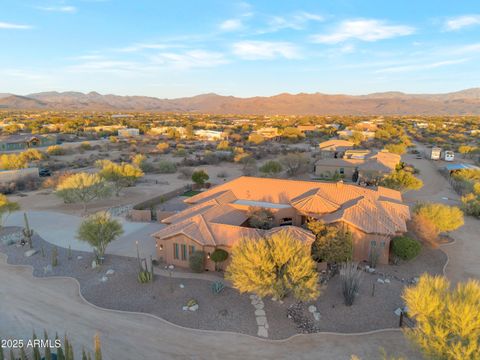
339 184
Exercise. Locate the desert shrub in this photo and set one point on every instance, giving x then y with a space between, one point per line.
166 167
197 261
405 247
85 146
56 150
222 174
260 218
424 230
351 277
162 147
271 167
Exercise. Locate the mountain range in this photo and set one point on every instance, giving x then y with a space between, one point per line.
465 102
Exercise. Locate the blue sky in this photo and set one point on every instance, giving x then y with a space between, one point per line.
170 49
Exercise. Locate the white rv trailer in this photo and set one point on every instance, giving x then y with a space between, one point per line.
448 155
435 153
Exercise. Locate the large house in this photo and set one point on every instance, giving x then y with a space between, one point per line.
366 164
219 217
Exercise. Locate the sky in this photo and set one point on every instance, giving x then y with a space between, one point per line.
176 48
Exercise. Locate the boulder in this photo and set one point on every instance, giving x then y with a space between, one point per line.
79 257
30 252
193 308
94 264
262 332
380 281
312 308
104 279
316 316
110 272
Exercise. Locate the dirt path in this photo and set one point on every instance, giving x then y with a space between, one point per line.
464 254
28 305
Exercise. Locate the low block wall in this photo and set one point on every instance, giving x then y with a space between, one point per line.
140 215
7 176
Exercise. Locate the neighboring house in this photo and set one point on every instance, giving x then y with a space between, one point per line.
218 218
104 128
25 141
163 130
366 126
129 132
307 129
268 132
369 165
209 135
334 148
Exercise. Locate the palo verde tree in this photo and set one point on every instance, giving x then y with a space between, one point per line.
82 188
99 230
6 208
275 266
447 320
444 217
119 175
402 180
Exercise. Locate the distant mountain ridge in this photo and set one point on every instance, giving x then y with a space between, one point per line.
465 102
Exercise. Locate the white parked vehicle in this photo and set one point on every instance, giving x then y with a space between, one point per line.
435 153
448 155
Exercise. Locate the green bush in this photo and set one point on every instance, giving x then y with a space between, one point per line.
218 256
197 261
405 247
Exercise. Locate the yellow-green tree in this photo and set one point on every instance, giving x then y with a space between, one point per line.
6 208
82 188
99 230
12 162
402 180
447 320
444 217
275 266
120 175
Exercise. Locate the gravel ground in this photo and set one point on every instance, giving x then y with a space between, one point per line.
230 311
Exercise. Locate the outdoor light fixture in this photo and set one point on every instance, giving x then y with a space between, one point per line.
208 256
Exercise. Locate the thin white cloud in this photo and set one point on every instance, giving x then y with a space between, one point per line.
364 30
231 25
461 22
145 46
110 66
423 66
296 21
63 9
12 26
189 59
265 50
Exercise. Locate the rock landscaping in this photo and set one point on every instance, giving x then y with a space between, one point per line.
194 303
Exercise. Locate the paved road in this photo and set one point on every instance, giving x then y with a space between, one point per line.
60 229
29 305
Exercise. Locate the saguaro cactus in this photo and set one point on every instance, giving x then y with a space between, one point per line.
27 232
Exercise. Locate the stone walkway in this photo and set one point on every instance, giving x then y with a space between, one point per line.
260 316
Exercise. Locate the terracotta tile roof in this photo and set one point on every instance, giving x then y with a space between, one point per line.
314 201
333 144
215 220
283 191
